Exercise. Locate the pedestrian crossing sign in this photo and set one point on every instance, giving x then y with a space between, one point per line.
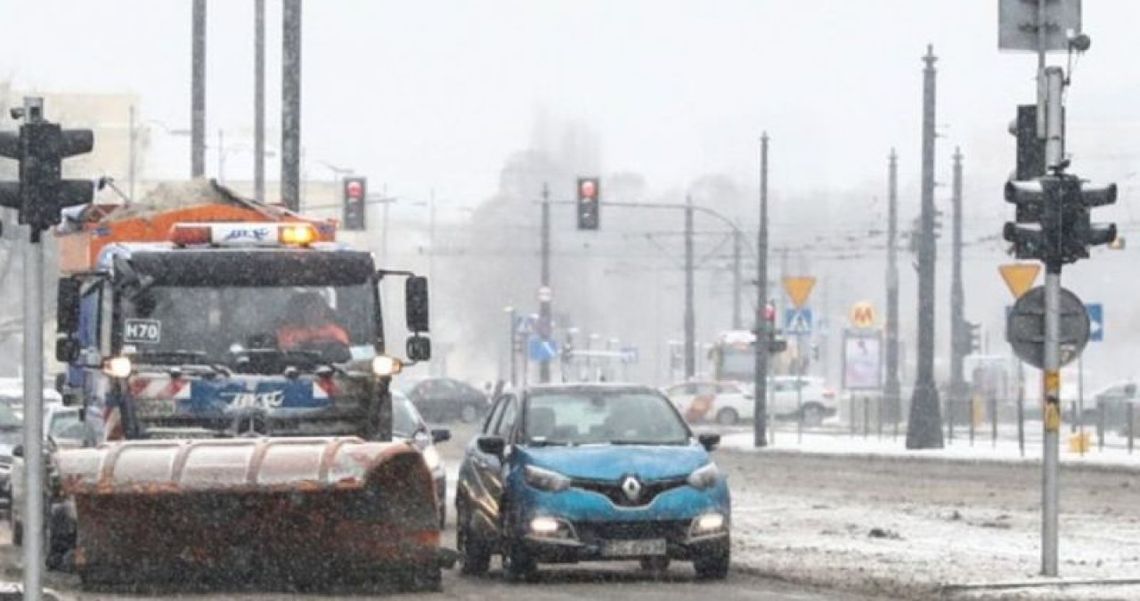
798 321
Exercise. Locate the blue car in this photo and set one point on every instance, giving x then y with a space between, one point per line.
583 472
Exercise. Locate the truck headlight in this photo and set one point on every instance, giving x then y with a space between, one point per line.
383 366
117 367
705 476
547 480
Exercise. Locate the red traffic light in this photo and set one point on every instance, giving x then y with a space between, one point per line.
769 312
588 188
354 188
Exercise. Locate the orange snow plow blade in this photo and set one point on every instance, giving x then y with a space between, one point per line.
291 510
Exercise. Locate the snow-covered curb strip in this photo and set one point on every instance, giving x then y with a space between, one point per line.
824 445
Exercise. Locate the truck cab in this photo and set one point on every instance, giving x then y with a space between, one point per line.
233 329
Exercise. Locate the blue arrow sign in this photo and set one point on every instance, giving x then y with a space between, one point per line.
542 351
798 321
1096 321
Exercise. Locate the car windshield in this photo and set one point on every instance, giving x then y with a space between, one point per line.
242 326
8 418
602 416
65 425
405 419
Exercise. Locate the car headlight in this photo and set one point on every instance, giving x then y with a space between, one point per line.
432 459
705 476
709 523
547 480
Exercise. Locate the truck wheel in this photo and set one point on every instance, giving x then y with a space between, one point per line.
17 533
654 565
714 565
422 579
468 414
726 417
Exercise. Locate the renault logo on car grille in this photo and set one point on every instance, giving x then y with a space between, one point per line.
631 487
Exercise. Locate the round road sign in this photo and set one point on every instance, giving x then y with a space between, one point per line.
1025 327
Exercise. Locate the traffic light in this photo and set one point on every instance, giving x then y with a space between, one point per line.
1053 220
1030 148
589 194
40 147
973 338
355 189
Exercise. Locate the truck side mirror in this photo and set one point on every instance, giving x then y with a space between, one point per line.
416 303
66 349
67 306
419 348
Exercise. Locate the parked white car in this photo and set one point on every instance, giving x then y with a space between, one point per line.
727 403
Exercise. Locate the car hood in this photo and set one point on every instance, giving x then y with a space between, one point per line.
611 462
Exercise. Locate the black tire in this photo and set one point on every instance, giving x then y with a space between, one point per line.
476 552
727 417
17 533
469 413
518 565
714 565
654 565
812 415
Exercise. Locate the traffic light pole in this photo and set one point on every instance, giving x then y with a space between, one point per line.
959 338
291 104
690 312
892 388
33 415
544 311
1051 384
198 90
760 387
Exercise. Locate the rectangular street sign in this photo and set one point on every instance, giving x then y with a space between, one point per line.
1017 24
1096 321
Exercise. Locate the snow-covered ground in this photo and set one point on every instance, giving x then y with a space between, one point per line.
867 515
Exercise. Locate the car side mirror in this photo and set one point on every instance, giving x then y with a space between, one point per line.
418 348
18 450
709 440
440 435
492 445
416 306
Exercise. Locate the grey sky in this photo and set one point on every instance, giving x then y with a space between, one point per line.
422 94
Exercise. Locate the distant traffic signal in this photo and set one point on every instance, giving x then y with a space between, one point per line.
355 189
40 148
589 194
1030 148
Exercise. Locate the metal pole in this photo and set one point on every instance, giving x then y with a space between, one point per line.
198 91
1021 407
544 302
799 389
1051 372
221 157
511 337
737 243
690 318
259 100
959 343
132 161
891 390
34 542
924 428
763 336
291 105
384 228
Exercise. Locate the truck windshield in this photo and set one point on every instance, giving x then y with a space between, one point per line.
241 326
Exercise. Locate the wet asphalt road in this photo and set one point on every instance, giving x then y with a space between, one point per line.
598 581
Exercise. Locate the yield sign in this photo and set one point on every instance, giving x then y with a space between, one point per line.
799 289
1019 277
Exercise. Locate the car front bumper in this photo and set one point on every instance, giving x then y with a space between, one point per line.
591 527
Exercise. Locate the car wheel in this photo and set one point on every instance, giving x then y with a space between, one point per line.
713 565
812 415
476 553
519 566
468 414
654 565
726 417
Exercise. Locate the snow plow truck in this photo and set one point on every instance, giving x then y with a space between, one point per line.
232 356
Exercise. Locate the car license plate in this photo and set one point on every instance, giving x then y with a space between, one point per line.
634 548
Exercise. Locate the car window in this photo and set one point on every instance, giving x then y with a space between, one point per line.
603 416
8 417
493 415
507 421
405 419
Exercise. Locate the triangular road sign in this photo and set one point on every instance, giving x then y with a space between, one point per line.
1019 277
799 289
